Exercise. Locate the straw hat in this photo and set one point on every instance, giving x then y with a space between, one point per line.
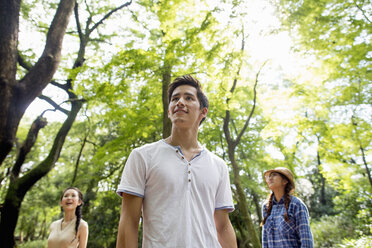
285 172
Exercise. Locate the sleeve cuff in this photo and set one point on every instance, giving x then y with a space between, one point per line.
120 191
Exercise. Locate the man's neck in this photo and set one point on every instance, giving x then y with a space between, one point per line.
187 139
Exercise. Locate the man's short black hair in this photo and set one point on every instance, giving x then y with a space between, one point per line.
189 80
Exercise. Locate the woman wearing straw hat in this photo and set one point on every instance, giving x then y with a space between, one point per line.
285 217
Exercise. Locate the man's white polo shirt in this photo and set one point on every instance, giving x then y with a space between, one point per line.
179 197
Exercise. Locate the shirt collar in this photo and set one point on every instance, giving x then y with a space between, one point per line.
179 148
280 202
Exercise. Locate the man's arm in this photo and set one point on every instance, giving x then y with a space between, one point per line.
225 231
129 220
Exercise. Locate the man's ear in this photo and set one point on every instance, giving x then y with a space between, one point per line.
204 112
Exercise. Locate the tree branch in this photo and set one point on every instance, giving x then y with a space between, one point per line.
366 165
108 15
78 158
54 104
226 122
61 86
253 107
38 124
45 166
76 12
40 75
363 12
88 9
22 62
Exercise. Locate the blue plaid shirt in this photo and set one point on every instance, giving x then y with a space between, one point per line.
277 233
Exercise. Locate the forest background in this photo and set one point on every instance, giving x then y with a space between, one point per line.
82 83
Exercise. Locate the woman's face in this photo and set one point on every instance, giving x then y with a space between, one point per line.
70 200
276 181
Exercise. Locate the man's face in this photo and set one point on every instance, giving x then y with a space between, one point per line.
184 107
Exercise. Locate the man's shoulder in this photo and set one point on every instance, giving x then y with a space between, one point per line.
214 157
149 146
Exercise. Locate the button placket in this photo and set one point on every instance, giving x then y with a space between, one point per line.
189 171
188 166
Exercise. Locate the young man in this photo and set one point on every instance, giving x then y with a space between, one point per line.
183 189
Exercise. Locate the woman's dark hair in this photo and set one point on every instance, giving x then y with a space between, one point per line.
189 80
78 208
287 200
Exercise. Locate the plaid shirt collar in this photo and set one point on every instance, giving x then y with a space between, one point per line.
276 202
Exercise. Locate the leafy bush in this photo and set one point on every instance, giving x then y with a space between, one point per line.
332 230
361 242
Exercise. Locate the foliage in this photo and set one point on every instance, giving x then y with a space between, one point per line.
104 218
314 124
338 33
336 111
362 242
331 230
357 206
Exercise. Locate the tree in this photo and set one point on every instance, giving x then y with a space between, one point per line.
130 95
19 94
337 33
235 124
128 90
16 94
231 147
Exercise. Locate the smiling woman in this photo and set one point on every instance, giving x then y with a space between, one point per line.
71 231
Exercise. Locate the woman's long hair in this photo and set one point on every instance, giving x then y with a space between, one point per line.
78 208
287 199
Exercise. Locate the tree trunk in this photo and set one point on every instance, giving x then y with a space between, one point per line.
27 89
322 199
231 146
167 125
256 201
366 166
9 25
16 96
242 202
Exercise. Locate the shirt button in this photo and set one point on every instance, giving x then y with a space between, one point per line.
189 172
183 157
189 180
176 150
190 164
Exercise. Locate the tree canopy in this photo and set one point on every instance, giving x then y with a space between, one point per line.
83 83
